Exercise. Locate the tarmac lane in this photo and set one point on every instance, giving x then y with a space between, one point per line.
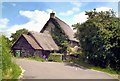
55 70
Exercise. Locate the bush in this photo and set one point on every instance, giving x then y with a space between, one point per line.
9 69
74 56
37 58
55 57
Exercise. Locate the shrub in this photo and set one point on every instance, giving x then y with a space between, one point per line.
55 57
9 69
37 58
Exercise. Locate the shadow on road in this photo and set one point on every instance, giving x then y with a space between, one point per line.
75 65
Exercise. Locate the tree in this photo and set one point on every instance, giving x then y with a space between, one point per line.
6 57
99 37
17 34
10 70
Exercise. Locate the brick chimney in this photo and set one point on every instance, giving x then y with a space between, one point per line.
52 15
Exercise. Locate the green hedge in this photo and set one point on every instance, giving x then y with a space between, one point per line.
55 57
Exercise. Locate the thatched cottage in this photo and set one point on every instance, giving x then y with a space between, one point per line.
54 22
34 43
42 43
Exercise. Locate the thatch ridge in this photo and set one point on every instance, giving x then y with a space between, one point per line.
31 41
45 41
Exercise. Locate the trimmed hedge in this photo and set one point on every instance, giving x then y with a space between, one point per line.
55 57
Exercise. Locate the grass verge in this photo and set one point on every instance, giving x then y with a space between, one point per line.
13 72
107 70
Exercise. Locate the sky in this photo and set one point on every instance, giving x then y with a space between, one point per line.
33 15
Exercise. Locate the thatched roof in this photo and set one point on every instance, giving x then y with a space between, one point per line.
68 31
31 41
55 21
39 41
23 41
44 40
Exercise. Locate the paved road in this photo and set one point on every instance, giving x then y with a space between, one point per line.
53 70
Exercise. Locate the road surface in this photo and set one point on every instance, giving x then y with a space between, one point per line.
53 70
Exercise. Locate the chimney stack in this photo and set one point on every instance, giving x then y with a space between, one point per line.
52 15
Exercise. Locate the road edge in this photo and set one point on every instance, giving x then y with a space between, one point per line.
22 73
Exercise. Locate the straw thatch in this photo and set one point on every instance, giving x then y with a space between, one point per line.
44 40
36 40
25 42
54 22
32 42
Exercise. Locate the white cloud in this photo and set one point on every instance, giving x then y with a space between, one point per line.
81 17
103 9
13 4
36 15
50 10
76 3
73 10
70 12
37 20
3 26
3 23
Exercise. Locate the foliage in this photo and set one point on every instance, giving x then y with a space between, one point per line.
17 34
72 50
60 38
9 69
37 58
0 56
82 64
99 38
6 57
55 57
